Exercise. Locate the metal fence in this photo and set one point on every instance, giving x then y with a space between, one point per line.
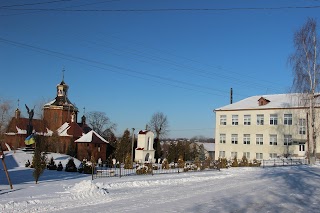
119 170
283 162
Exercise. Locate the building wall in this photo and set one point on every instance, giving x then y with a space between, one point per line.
85 150
15 141
56 116
253 129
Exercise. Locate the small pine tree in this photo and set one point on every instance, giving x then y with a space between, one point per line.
180 162
38 161
70 166
202 155
128 163
244 161
235 162
52 165
223 162
197 163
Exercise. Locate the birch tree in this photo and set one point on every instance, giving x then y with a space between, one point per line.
306 72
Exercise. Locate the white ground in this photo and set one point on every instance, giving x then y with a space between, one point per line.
281 189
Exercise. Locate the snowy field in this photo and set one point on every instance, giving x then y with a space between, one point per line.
281 189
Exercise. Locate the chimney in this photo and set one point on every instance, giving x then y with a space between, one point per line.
83 120
231 96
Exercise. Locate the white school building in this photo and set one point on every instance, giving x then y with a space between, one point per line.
264 127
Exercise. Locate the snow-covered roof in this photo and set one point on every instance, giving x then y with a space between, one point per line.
62 130
51 102
91 137
207 146
292 100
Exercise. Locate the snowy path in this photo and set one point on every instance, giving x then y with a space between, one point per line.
288 189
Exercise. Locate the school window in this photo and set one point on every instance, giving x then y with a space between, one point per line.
273 119
260 119
247 120
287 140
259 139
302 126
234 120
273 155
301 148
234 139
273 140
222 138
259 156
287 119
233 154
246 139
247 155
222 154
223 120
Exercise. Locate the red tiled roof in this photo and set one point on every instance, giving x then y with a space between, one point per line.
22 123
75 130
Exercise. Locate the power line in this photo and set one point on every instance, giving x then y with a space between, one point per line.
121 70
169 9
31 4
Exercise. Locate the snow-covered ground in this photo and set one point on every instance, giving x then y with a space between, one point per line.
280 189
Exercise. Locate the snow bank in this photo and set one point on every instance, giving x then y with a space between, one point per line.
87 188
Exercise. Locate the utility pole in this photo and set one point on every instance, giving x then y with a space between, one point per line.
132 144
5 167
308 140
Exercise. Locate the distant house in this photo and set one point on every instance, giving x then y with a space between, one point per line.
59 126
209 149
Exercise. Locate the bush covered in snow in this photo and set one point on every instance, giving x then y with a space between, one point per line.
85 167
165 164
144 169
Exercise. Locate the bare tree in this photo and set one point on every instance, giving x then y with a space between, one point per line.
100 122
5 112
306 71
158 124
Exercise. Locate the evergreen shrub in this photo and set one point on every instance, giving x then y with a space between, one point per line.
51 165
70 166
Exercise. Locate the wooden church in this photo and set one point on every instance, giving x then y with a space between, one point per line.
59 128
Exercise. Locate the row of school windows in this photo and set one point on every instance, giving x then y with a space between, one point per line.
273 120
258 156
273 139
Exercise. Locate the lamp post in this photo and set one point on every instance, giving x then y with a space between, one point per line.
132 144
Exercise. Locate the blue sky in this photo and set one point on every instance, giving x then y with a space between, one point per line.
131 64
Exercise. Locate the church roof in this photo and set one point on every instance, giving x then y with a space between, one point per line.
91 137
19 126
62 101
70 129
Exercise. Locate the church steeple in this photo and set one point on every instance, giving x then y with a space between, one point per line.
61 109
62 88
